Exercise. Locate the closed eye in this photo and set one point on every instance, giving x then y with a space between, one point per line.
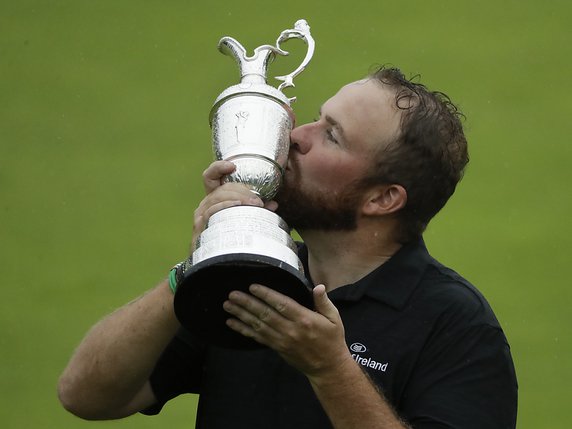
331 136
329 132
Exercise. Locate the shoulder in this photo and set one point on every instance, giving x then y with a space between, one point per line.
452 298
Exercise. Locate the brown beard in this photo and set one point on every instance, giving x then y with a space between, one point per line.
317 210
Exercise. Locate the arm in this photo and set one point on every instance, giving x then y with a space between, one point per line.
313 342
107 376
352 401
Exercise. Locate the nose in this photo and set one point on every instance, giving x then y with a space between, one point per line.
300 138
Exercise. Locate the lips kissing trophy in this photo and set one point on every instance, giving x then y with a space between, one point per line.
251 124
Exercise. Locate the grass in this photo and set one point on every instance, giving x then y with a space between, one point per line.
104 135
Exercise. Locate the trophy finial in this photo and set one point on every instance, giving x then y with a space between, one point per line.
253 69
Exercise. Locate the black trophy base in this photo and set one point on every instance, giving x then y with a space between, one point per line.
206 285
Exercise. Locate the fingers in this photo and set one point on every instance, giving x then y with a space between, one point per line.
227 195
265 308
253 310
203 214
308 340
222 197
214 173
253 318
269 305
281 304
265 315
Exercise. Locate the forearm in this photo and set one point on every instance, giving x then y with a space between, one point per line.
350 399
116 357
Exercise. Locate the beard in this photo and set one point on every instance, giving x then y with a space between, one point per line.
316 209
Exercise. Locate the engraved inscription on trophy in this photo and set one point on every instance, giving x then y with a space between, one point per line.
241 116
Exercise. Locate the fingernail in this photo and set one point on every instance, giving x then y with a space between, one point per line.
233 295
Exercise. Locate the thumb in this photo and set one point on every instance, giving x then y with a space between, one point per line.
323 305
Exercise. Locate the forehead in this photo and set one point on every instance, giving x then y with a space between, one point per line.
366 111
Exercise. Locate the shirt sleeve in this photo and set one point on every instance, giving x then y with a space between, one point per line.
465 380
179 370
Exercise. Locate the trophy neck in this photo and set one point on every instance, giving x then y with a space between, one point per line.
253 68
253 79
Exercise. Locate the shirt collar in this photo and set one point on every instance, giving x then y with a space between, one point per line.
392 282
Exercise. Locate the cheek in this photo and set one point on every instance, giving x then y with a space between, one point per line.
335 173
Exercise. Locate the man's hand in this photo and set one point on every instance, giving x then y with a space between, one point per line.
221 196
311 341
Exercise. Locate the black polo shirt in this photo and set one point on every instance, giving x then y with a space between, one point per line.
425 336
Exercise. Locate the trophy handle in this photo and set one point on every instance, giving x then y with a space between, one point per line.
301 31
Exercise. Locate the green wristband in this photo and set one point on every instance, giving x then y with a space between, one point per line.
173 279
177 273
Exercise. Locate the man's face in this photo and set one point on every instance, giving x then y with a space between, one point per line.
328 157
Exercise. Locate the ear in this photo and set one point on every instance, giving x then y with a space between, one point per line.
386 199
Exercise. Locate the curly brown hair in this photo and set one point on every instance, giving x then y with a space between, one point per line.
429 156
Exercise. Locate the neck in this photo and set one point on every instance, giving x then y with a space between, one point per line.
338 258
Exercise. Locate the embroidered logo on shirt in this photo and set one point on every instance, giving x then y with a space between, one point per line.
358 348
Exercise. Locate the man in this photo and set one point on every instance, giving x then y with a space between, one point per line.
396 340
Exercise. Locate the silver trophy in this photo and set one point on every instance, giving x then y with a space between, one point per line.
251 124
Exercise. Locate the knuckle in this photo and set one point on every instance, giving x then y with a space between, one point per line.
306 323
265 314
246 332
281 307
257 325
292 335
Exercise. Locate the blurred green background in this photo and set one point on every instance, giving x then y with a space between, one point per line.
104 135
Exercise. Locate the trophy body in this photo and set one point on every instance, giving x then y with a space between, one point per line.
251 124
